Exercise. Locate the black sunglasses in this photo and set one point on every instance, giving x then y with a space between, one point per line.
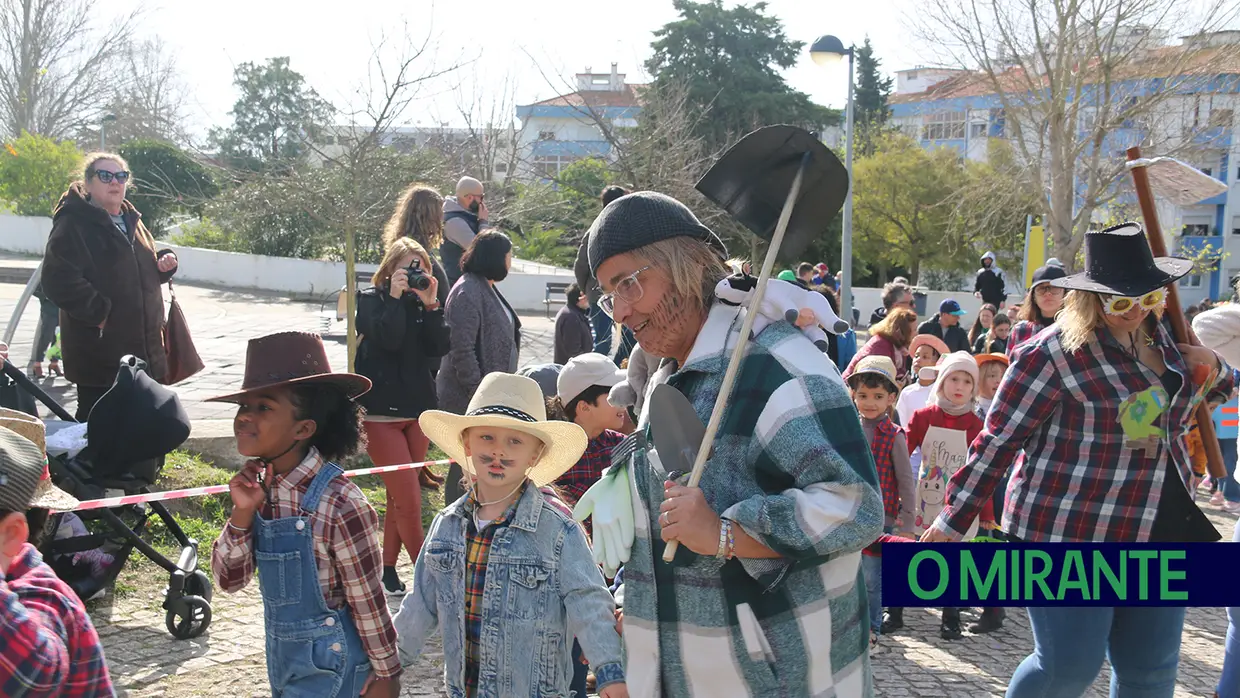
106 176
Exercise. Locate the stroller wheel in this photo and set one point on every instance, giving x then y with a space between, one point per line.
188 617
198 584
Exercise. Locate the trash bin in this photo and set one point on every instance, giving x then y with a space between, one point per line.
919 303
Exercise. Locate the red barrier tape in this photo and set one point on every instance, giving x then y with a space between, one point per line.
221 489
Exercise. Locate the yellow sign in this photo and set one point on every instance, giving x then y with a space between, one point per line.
1035 252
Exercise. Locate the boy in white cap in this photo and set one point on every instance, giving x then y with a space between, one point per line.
581 398
48 646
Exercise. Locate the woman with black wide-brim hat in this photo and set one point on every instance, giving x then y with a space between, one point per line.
1100 404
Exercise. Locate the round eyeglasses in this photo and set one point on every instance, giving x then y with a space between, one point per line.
628 289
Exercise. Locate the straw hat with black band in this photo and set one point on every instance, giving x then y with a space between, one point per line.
1118 262
25 482
511 402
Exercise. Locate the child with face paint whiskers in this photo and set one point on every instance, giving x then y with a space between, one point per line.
505 573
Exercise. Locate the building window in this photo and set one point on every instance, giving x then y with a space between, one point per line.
550 166
977 130
1235 231
1221 118
501 167
944 125
1193 281
546 135
1208 170
1197 229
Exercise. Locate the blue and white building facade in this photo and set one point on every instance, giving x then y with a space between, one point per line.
950 108
556 132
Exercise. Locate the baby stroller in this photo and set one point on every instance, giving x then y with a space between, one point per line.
130 431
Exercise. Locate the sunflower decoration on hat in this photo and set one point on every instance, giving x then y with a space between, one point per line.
510 402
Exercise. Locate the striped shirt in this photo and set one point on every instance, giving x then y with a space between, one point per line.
791 467
346 550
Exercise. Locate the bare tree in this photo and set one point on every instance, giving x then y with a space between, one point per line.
491 146
52 64
400 67
1078 80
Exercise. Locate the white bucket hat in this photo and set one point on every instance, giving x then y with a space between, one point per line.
512 402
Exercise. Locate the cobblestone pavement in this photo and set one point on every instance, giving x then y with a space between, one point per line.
915 662
221 322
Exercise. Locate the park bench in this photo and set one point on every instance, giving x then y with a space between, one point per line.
555 294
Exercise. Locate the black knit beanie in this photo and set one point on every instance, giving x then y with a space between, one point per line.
639 219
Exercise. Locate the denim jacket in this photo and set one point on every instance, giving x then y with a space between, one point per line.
542 590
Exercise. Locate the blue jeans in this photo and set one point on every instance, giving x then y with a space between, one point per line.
1231 488
602 325
577 689
872 568
1229 682
1069 645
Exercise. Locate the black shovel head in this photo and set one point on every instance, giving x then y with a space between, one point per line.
752 180
676 428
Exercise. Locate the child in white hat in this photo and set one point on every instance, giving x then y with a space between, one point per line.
507 576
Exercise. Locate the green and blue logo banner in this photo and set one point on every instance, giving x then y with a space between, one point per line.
1061 574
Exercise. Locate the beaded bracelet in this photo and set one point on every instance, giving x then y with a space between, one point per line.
731 542
725 528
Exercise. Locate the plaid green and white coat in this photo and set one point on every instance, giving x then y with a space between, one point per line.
792 467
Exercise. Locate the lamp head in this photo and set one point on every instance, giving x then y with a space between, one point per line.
828 50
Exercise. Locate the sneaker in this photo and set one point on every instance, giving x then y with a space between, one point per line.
949 631
1216 499
875 646
991 620
893 620
1231 507
391 582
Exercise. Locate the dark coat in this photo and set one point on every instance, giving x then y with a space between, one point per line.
991 286
573 334
954 337
483 341
401 343
101 277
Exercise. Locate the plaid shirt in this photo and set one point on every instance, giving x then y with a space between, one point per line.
346 550
1096 442
791 467
589 469
48 646
477 552
1022 332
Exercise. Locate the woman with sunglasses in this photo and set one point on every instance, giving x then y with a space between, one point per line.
1100 404
101 267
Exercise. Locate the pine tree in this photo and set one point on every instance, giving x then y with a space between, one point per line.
870 100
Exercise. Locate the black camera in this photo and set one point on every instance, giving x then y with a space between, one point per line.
418 279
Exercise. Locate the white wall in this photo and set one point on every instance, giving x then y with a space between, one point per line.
525 287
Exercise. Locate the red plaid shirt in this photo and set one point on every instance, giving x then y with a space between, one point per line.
590 467
1083 479
1022 332
884 440
48 646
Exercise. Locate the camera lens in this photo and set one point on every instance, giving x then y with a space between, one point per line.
420 282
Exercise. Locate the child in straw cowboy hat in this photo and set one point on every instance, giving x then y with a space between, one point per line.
507 576
47 643
308 532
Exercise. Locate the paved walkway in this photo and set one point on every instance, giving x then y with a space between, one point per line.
221 322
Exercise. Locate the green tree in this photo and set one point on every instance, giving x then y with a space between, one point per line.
272 119
870 110
903 210
35 171
730 59
167 182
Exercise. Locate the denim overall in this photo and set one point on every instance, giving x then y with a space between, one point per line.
312 650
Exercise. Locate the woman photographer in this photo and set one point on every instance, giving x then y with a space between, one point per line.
403 333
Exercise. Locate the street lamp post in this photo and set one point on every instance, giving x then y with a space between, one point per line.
103 130
828 50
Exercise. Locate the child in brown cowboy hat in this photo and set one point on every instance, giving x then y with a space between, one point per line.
308 531
47 643
507 576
